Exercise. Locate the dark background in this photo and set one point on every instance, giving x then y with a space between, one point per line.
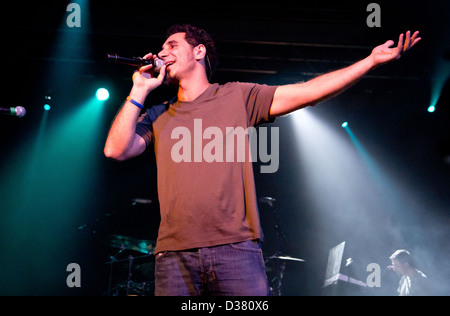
61 199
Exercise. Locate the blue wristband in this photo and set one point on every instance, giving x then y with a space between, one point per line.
135 103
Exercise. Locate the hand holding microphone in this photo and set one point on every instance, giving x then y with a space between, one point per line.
148 62
145 76
145 79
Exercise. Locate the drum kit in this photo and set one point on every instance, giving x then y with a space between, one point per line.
131 267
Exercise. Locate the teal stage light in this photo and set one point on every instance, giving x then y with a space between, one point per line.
345 124
102 94
47 107
431 108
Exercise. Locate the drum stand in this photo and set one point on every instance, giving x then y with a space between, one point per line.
130 287
278 257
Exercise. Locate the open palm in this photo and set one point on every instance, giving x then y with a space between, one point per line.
385 53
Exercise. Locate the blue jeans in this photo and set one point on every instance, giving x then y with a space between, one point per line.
226 270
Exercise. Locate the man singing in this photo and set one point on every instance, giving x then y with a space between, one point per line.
209 236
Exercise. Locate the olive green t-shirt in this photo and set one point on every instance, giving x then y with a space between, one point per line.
206 189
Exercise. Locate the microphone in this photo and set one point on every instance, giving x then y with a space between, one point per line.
17 111
136 61
141 201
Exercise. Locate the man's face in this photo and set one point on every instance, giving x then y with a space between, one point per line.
178 55
398 267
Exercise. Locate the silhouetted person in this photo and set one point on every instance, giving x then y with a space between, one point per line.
412 282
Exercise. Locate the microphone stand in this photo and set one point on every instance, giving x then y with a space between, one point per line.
280 264
130 264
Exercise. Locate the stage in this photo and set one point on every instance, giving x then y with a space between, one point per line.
379 183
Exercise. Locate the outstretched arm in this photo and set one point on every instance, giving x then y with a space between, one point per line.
289 98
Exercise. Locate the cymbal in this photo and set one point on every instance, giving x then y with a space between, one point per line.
268 200
131 243
290 258
286 258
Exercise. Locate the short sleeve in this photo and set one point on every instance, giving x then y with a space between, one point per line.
258 99
144 127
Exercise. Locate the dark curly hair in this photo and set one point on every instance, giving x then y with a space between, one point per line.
196 36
